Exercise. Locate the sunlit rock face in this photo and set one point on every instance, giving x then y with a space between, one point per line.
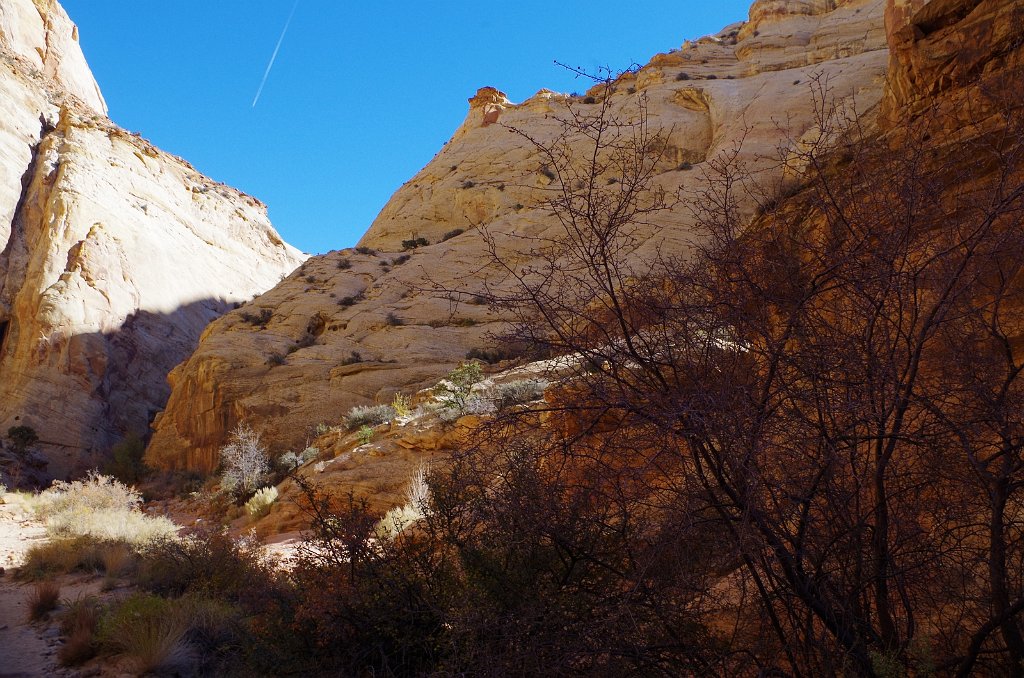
750 86
114 257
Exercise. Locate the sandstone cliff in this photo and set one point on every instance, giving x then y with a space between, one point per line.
114 256
285 362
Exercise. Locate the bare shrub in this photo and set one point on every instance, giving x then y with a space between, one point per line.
244 461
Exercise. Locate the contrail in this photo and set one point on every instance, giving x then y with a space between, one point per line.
273 57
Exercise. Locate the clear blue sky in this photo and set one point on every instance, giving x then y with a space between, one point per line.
362 94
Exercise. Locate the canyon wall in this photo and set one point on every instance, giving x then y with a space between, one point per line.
352 328
115 255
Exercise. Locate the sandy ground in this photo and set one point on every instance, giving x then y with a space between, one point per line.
25 649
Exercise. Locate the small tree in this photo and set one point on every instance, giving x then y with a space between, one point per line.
453 391
244 461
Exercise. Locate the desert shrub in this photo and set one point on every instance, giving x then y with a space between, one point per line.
368 415
547 172
490 355
364 435
401 259
513 393
100 507
261 319
589 100
684 166
126 463
452 233
343 264
211 564
353 358
259 504
290 461
468 184
366 250
453 391
244 461
393 320
22 438
348 301
94 492
712 76
682 76
413 243
275 359
43 599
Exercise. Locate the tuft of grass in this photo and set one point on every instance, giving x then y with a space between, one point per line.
43 599
151 631
78 623
259 504
401 405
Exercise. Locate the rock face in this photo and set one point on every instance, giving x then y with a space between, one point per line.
115 255
285 363
955 52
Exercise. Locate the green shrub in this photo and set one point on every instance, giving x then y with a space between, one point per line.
369 415
453 391
364 435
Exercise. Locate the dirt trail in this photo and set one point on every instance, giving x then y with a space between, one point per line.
25 649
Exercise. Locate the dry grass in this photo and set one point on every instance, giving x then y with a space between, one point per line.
151 632
43 599
260 503
79 623
62 556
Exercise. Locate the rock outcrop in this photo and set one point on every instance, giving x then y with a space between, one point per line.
115 255
353 328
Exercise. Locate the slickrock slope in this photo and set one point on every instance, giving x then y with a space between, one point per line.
114 255
751 82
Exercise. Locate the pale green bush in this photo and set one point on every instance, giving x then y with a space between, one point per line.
369 415
516 392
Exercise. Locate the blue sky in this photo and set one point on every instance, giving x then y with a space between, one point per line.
361 96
